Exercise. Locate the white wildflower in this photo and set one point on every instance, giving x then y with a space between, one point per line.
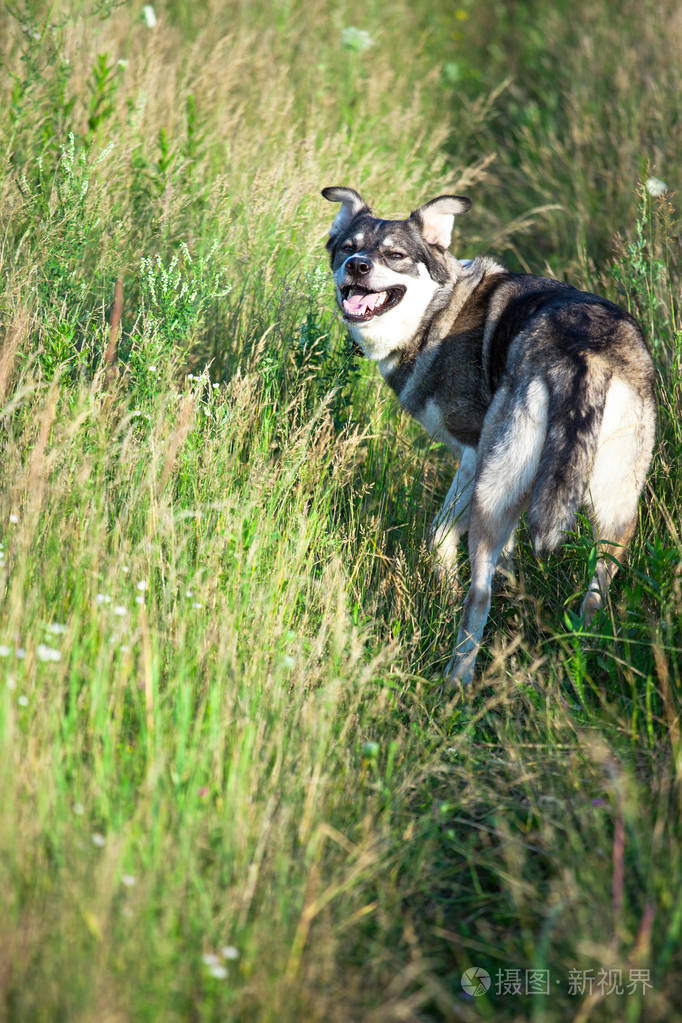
120 611
98 840
196 604
655 187
5 651
139 600
23 701
78 809
149 16
229 952
218 971
142 585
128 880
14 519
102 598
356 39
56 629
20 652
47 653
210 959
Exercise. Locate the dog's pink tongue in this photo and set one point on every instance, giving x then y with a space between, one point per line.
358 304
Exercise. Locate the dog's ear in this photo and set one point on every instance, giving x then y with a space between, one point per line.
351 205
436 219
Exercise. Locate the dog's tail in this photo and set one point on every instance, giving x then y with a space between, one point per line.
576 408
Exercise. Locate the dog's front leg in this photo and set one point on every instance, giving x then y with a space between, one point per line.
452 521
483 556
490 528
509 451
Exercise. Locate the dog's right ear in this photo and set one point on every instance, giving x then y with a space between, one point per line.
351 205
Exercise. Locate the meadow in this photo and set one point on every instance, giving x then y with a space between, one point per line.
231 786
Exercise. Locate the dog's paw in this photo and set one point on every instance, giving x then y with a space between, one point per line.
460 669
505 573
592 603
447 579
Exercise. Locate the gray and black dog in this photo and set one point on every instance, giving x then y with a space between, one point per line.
544 393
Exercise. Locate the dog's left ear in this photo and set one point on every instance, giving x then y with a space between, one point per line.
351 204
437 218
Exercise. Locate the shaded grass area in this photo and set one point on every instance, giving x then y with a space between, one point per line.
231 787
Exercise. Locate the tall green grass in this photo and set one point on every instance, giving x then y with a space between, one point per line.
231 787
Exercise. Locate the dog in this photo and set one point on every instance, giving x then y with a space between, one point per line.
544 393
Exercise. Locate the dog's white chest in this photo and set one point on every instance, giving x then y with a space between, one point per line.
428 412
431 418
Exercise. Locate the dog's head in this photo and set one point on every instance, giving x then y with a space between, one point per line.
390 273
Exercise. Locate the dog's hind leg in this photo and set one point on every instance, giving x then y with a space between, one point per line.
612 554
508 457
452 521
623 454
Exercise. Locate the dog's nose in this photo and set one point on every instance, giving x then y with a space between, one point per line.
359 265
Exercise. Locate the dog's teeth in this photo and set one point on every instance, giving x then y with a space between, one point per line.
377 298
358 303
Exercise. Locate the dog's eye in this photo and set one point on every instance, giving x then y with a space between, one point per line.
347 247
396 255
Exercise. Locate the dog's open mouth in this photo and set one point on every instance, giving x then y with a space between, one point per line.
360 304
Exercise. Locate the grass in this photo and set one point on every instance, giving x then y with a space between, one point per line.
231 789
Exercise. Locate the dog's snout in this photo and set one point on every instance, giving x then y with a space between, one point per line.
358 265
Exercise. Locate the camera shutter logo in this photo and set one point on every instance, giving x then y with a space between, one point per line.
475 981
